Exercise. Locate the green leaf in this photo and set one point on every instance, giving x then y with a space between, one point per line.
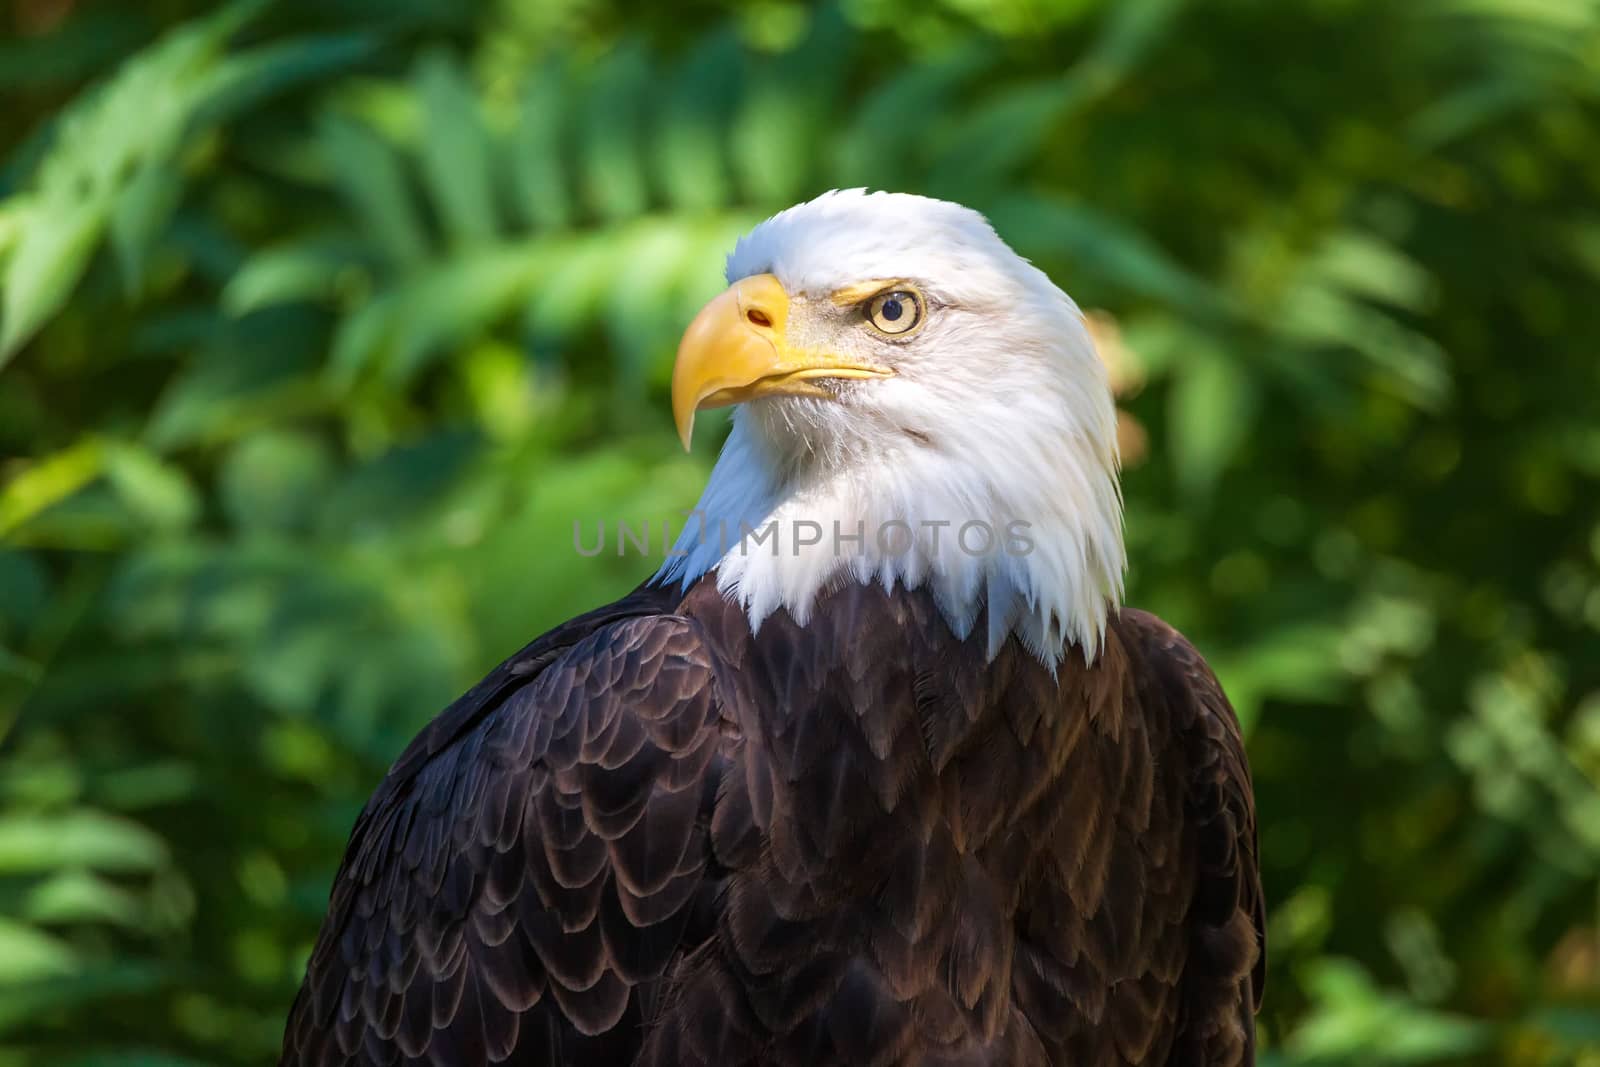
82 897
86 838
609 141
287 274
373 182
454 150
786 109
250 78
991 142
1211 411
1094 245
28 955
49 481
140 218
1363 265
455 302
275 480
49 257
537 149
398 486
110 145
690 153
1353 1018
1130 30
360 337
887 141
155 491
245 373
23 1001
1296 662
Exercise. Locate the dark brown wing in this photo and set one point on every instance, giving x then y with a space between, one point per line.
529 867
1225 968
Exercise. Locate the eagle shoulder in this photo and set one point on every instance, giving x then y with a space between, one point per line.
1225 970
530 865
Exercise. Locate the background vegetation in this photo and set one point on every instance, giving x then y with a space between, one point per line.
320 324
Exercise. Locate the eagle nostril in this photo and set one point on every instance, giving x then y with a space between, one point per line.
758 317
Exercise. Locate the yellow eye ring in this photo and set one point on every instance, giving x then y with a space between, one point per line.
895 312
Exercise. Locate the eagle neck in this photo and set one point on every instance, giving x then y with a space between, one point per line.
1030 529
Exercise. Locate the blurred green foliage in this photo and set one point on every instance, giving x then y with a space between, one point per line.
321 323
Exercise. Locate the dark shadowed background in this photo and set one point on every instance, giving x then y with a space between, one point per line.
321 324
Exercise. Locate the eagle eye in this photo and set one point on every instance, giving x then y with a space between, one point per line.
897 311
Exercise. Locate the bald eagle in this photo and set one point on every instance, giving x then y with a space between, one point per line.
884 776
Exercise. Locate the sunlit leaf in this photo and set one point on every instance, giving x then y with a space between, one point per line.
27 954
77 896
42 842
1211 410
156 492
49 481
42 269
114 144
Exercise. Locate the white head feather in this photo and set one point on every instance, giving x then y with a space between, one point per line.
999 413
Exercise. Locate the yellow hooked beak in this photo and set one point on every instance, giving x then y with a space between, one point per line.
736 349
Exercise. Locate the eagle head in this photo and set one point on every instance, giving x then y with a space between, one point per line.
918 404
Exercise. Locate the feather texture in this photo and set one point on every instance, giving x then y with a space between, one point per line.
655 837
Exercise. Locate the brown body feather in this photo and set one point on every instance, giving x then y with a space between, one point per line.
653 837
